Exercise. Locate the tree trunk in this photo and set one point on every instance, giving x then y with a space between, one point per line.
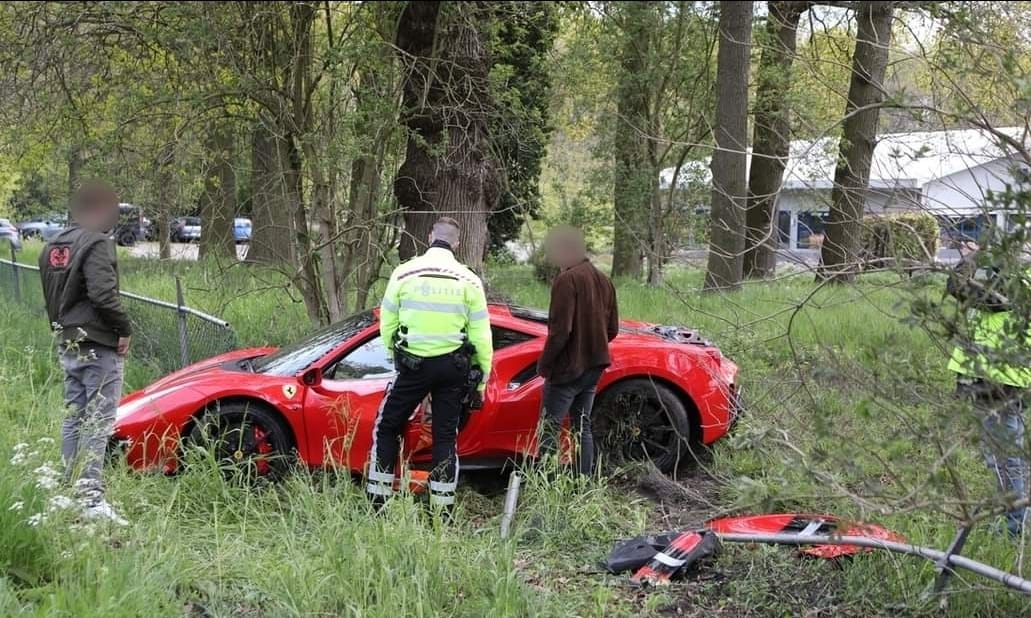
771 138
839 256
366 256
75 162
218 201
727 241
272 227
166 192
634 177
446 102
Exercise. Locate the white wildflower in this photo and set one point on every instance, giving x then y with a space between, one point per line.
46 477
45 440
36 520
17 506
60 503
21 446
18 459
46 482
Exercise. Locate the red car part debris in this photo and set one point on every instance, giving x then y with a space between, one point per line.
805 525
683 551
811 531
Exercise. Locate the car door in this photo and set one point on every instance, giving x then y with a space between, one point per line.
341 408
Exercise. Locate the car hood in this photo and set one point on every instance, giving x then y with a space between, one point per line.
669 334
197 370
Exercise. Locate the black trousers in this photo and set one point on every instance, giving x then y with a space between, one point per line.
574 399
443 377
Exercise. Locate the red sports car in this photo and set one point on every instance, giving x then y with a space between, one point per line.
315 402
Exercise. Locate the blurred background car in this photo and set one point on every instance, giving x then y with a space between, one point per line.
242 230
43 226
132 226
10 234
185 229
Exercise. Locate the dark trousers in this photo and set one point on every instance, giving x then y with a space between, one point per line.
574 399
444 378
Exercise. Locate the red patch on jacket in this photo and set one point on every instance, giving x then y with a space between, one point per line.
59 257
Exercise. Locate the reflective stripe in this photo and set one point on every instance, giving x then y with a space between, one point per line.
441 486
478 315
383 477
811 529
378 489
445 338
436 307
439 500
389 305
668 561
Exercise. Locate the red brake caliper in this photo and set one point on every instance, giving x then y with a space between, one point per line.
264 448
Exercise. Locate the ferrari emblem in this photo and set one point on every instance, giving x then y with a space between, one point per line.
289 390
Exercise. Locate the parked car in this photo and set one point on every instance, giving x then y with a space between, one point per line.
43 226
132 226
185 229
315 402
10 234
242 230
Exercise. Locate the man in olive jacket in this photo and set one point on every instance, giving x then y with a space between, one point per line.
80 285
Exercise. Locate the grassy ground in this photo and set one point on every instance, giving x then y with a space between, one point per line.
849 411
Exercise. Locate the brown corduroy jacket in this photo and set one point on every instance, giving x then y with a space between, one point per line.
582 320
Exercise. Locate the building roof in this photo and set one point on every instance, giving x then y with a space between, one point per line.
900 159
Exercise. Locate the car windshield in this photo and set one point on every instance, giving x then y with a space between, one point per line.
191 220
5 223
293 359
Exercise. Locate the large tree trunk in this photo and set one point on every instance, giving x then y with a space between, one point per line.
771 138
446 103
839 257
75 162
728 162
272 227
166 194
218 201
634 177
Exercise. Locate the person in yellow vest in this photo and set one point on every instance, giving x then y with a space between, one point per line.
993 372
434 320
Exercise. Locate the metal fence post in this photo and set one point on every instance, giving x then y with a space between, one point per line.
184 353
16 274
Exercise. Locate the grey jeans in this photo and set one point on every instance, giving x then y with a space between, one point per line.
574 399
1002 418
92 388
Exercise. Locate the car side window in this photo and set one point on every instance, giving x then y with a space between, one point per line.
505 337
369 361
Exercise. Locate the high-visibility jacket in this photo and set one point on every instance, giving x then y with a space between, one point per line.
433 305
995 331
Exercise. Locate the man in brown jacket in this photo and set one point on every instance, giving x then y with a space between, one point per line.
582 320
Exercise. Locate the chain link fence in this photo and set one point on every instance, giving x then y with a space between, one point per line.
168 335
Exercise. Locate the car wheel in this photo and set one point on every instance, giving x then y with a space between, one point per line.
247 441
126 238
641 420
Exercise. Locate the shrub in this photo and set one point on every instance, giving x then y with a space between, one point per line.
543 270
902 237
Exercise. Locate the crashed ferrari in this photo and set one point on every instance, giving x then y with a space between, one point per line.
314 403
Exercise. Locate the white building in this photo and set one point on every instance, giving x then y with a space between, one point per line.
945 173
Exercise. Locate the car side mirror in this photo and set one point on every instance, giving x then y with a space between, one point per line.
311 377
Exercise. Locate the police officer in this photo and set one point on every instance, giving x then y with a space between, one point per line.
434 320
992 372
